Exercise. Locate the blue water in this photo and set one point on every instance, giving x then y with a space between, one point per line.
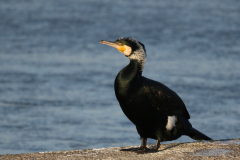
56 80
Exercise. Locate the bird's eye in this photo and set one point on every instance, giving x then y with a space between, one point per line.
122 44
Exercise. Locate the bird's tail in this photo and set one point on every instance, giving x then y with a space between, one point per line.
195 134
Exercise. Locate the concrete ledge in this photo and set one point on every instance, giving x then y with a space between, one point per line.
220 149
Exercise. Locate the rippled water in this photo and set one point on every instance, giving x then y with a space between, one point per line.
56 81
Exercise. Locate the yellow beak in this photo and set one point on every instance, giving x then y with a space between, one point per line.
112 44
126 50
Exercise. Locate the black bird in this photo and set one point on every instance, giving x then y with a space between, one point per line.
157 111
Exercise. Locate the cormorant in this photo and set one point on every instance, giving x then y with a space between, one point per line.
157 111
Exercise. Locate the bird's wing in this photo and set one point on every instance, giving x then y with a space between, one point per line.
164 99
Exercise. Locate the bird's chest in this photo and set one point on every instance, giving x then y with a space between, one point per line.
131 99
129 93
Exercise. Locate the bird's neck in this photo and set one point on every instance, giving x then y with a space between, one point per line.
126 79
131 71
140 57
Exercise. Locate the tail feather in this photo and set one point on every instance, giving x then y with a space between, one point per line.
196 135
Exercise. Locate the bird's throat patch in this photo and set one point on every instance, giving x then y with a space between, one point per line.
121 48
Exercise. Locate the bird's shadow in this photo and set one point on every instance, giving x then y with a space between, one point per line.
136 150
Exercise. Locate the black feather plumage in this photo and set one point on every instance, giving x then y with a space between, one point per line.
157 111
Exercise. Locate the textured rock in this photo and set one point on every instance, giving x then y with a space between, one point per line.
222 149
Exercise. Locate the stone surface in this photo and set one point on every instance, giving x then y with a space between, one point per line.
221 149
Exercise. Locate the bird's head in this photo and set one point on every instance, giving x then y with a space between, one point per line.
130 47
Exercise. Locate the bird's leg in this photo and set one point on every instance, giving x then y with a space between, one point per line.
156 146
141 149
143 145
